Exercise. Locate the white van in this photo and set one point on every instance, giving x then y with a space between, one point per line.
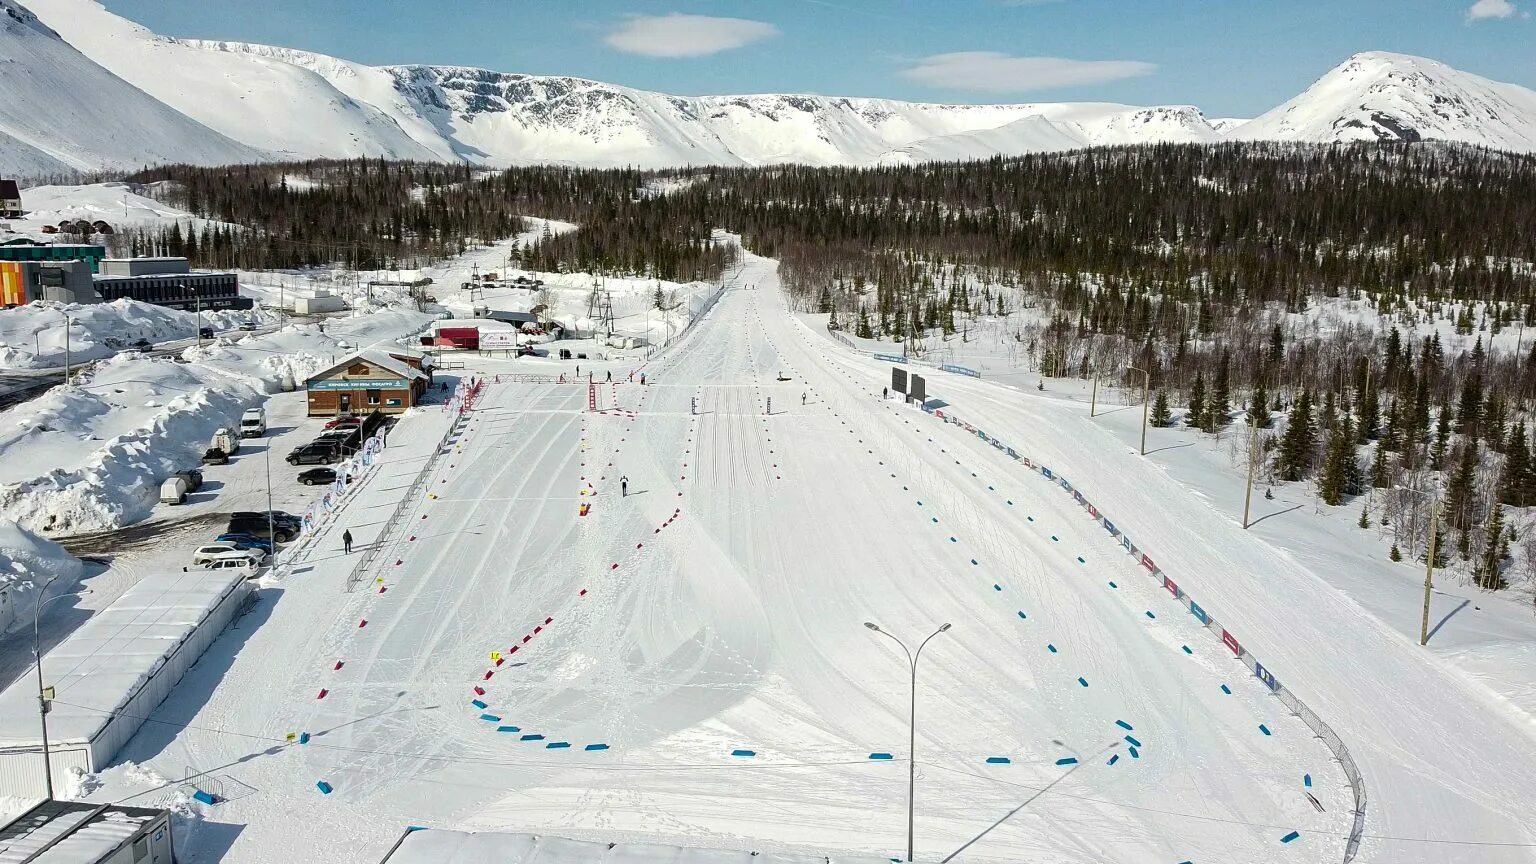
238 560
174 490
253 423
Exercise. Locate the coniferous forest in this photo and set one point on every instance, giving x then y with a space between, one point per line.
1208 266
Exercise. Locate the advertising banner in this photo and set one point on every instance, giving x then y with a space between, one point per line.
1265 676
498 340
899 380
890 358
1231 642
1195 610
1172 587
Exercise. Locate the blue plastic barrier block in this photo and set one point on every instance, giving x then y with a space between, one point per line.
973 563
532 738
591 747
1030 518
557 745
412 829
1113 585
1291 836
935 520
880 756
953 540
1082 681
1135 753
1055 539
1265 729
1022 615
999 760
1227 690
1124 725
1066 761
1010 503
1150 615
1080 560
303 737
508 729
1113 759
746 753
324 787
996 587
1051 648
1132 741
490 718
1186 649
1306 780
478 704
202 797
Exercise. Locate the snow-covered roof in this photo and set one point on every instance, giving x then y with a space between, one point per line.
70 832
433 846
387 359
102 664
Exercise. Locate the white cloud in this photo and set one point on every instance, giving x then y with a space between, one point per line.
678 35
1491 9
995 72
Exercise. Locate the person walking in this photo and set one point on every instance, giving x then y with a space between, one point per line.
642 379
802 398
885 392
610 377
624 486
346 541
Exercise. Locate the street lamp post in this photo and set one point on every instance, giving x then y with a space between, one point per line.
66 348
1429 558
912 658
1146 398
43 698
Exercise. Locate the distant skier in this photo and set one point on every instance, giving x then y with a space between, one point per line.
624 486
642 379
610 377
885 392
346 541
802 398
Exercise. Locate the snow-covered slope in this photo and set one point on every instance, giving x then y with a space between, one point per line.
59 111
264 102
1378 96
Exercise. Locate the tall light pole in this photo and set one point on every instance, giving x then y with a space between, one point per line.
1146 398
912 658
1093 402
66 348
1429 558
43 696
197 313
1253 429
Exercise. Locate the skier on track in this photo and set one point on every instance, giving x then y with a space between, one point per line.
802 398
624 486
642 379
610 377
346 541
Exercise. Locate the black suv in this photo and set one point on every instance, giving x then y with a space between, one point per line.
256 525
314 454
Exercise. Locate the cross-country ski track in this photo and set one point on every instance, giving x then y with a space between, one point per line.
688 664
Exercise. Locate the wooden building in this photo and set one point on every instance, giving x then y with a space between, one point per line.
377 379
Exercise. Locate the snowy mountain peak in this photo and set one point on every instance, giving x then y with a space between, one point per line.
1382 96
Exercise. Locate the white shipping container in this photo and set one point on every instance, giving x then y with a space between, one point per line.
112 673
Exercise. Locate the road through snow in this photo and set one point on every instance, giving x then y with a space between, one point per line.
698 645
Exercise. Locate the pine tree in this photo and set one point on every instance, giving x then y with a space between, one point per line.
1196 416
1495 550
1461 489
1442 439
863 330
1160 414
1370 415
1258 406
1276 346
1515 476
1334 481
1393 554
1216 412
1296 444
1365 517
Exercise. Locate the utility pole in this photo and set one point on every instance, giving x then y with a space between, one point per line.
912 658
1429 568
197 313
1248 495
271 528
1093 404
66 348
1146 398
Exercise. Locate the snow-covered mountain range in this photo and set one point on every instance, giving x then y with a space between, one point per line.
210 102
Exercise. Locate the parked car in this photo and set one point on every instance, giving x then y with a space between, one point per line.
238 561
249 325
225 439
205 332
313 454
205 554
215 456
194 478
253 423
143 345
260 529
344 420
245 540
279 518
174 490
318 476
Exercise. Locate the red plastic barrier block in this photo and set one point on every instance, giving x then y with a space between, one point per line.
382 589
479 691
363 623
500 660
323 691
538 630
547 620
526 638
639 545
583 593
397 562
338 665
513 649
613 567
413 536
488 674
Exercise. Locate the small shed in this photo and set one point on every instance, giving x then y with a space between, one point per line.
375 379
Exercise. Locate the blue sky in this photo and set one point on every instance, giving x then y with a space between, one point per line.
1229 57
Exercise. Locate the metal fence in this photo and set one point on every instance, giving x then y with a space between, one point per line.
1322 730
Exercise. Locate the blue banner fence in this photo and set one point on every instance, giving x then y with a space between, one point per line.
1322 730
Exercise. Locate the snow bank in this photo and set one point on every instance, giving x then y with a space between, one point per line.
459 847
33 336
